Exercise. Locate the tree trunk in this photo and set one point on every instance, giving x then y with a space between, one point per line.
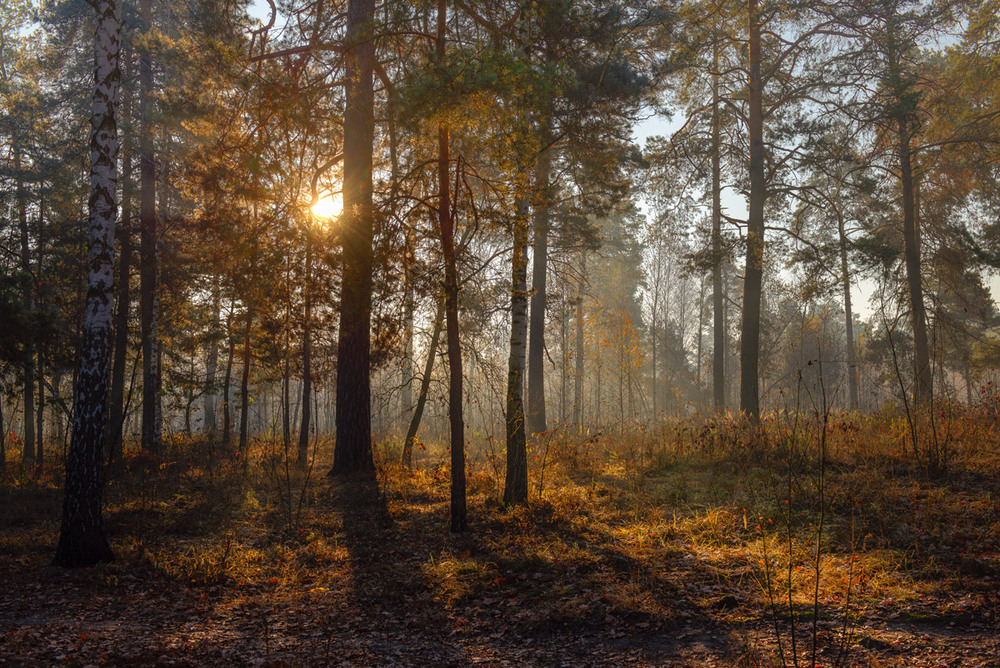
245 387
578 375
564 342
116 418
923 389
536 422
459 519
148 270
82 541
754 272
302 456
516 483
3 437
27 294
227 422
286 380
211 368
425 383
852 353
353 450
718 323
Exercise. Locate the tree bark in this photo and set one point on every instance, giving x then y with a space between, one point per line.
245 386
578 375
536 422
211 368
446 222
753 275
718 323
82 541
27 300
923 381
148 269
516 483
116 418
302 456
353 450
852 353
425 383
227 421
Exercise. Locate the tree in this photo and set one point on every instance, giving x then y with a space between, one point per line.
148 251
446 219
353 453
82 541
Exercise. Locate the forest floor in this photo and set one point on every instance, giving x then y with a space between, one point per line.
692 546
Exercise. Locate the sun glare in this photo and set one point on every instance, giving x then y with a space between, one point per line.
328 206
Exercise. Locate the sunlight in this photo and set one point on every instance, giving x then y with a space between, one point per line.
328 206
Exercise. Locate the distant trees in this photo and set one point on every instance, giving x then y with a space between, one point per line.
485 156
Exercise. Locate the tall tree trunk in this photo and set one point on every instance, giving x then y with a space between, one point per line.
852 353
3 436
353 450
212 367
718 323
41 306
302 456
227 422
425 384
148 269
516 483
578 375
286 380
701 333
923 389
536 422
245 386
754 272
116 417
652 328
27 298
459 519
564 342
82 541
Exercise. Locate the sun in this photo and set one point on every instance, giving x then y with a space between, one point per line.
328 206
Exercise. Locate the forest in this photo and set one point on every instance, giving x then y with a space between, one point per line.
500 332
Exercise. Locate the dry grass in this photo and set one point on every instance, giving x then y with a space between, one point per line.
697 541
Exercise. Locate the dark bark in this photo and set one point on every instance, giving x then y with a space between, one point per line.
754 272
446 223
718 324
923 380
353 450
578 376
425 384
516 483
27 300
82 541
212 367
245 386
3 437
116 417
536 422
227 419
302 456
852 354
148 269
